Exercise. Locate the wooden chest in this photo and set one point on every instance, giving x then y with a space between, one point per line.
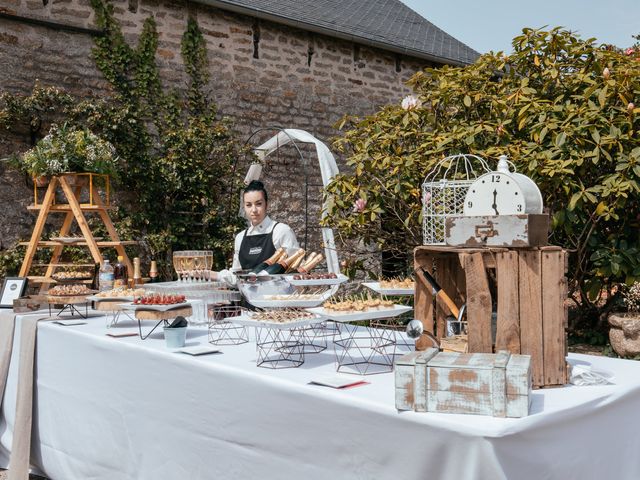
497 231
473 383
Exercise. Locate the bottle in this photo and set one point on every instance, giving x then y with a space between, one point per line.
120 276
153 272
137 277
312 262
270 261
283 265
105 278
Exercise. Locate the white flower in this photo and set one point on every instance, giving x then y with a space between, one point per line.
411 102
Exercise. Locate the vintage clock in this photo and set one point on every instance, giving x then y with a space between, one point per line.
502 192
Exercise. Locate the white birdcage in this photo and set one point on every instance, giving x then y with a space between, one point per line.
443 192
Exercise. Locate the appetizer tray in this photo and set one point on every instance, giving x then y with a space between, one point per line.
67 299
375 286
340 278
247 321
95 298
289 300
356 315
155 308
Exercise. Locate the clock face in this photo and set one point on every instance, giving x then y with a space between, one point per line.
494 193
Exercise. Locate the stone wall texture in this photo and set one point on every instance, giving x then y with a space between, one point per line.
298 80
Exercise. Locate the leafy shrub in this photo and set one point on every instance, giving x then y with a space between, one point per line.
562 108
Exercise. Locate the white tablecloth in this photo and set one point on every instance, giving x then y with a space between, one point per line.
126 409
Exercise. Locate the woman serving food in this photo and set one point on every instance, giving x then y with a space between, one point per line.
262 239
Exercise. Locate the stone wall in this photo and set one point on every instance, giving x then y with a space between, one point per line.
262 74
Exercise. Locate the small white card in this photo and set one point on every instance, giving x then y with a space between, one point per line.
122 334
338 381
70 323
199 350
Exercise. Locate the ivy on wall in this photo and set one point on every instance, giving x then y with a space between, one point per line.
177 184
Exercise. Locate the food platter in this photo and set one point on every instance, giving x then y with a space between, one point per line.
289 300
354 315
340 278
97 299
154 308
375 286
247 321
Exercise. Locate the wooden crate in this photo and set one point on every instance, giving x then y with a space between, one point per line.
530 286
471 383
497 231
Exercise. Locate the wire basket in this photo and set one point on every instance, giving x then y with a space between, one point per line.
443 192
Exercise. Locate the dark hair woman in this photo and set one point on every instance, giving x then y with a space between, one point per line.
261 238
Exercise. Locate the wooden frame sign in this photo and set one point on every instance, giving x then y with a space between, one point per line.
12 289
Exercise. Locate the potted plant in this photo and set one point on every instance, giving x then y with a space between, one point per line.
624 334
69 149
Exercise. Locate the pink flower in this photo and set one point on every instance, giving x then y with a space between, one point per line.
427 198
629 51
359 205
411 102
606 73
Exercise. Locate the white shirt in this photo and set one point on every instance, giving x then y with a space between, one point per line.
283 236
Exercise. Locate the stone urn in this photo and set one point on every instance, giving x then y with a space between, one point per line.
624 333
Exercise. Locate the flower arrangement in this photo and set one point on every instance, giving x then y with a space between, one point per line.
68 149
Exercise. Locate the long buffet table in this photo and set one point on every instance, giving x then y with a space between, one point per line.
107 408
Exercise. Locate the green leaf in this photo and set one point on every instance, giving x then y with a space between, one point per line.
467 101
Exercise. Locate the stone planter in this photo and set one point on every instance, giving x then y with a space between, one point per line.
624 333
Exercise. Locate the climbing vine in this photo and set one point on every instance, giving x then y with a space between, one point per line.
177 184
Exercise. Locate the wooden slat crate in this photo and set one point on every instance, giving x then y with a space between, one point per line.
531 289
472 383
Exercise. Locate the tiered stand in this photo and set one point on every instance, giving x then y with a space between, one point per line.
530 286
72 187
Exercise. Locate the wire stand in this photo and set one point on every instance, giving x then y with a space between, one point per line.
279 348
72 310
114 316
223 332
404 344
364 350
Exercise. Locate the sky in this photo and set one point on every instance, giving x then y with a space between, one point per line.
486 25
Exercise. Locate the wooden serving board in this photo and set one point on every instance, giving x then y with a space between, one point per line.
108 305
166 315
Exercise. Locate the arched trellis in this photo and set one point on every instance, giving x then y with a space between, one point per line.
328 170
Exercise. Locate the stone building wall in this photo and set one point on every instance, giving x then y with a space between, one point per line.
262 74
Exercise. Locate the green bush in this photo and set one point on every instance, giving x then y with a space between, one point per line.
563 109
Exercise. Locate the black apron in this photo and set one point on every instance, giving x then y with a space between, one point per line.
255 249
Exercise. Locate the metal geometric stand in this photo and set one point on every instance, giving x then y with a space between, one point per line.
144 337
314 337
364 350
404 344
223 332
279 348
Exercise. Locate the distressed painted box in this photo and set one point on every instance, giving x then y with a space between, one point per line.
497 231
474 383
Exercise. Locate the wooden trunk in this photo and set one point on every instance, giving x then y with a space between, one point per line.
530 287
477 383
497 231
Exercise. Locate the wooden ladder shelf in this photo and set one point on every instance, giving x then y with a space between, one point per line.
71 186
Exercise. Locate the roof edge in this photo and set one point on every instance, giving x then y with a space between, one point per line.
255 12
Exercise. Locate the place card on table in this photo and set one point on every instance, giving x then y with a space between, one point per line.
70 323
122 334
338 382
199 350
